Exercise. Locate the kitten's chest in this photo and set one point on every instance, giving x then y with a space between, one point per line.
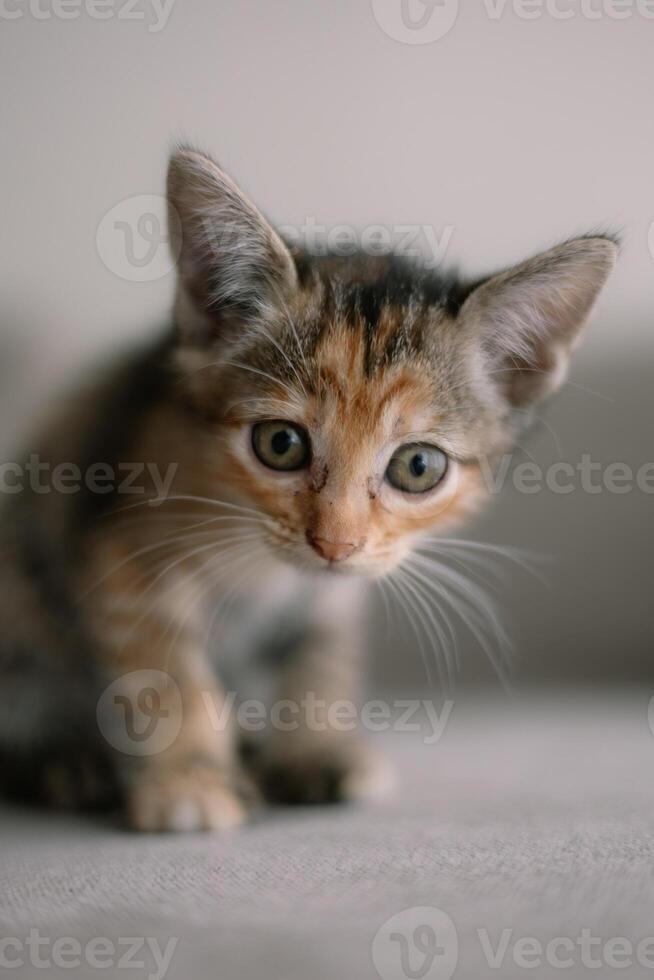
253 633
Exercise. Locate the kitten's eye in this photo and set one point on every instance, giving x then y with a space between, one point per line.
416 468
281 445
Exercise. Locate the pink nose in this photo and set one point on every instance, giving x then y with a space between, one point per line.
332 550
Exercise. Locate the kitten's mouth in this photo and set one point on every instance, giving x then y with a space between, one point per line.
335 559
308 561
351 567
340 568
331 566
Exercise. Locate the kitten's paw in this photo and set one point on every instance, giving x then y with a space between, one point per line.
185 799
81 784
334 773
76 782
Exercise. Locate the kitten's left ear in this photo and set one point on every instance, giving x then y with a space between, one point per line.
526 320
232 265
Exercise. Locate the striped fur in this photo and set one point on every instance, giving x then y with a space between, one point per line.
365 354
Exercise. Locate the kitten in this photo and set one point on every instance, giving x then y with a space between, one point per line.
321 415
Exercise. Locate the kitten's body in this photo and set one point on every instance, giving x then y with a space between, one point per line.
364 356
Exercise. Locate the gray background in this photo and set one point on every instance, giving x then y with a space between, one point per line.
515 132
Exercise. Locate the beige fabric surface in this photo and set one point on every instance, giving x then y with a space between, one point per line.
529 815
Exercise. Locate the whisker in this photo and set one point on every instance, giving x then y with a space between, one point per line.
480 613
214 542
518 556
236 556
428 612
436 609
532 414
281 350
264 374
408 600
185 557
379 582
225 602
238 518
146 549
192 498
291 323
263 403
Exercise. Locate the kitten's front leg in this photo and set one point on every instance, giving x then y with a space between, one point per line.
158 713
318 753
193 784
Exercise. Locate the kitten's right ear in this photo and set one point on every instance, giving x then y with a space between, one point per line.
232 265
526 320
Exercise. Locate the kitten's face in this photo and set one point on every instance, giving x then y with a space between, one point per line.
352 401
351 469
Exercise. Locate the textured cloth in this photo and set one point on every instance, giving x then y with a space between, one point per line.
533 816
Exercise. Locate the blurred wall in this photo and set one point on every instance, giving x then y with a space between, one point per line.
519 126
578 606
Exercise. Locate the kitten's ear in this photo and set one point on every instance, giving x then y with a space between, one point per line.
526 320
232 265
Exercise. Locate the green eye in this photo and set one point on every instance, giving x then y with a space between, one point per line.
416 468
281 445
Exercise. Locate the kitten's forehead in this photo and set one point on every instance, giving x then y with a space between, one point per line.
352 406
355 407
386 306
364 347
